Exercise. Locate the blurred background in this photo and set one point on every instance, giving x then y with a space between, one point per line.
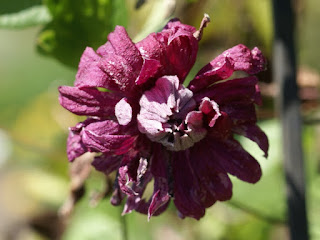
40 46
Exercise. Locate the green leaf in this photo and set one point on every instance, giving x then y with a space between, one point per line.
77 24
33 16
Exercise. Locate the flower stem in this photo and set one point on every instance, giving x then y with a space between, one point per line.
123 226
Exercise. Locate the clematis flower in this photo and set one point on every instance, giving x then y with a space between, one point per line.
151 129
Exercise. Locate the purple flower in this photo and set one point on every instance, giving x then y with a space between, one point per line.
149 127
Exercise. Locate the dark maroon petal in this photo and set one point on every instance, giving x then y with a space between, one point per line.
238 58
243 90
214 179
187 188
87 101
159 169
222 128
107 163
235 160
160 195
99 137
253 132
240 113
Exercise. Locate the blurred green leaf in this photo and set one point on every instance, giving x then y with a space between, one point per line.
260 14
77 24
314 209
266 196
33 16
157 19
13 6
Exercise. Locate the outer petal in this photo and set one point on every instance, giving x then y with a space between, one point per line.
87 101
238 58
235 160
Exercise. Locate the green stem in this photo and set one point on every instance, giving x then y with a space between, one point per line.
257 214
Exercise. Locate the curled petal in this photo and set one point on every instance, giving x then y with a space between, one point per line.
238 58
87 101
254 133
211 109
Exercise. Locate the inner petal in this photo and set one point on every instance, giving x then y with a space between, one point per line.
165 115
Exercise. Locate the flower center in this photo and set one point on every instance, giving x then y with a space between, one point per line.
167 115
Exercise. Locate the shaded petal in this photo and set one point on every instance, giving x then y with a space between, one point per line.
238 58
99 137
107 163
254 133
87 101
235 160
